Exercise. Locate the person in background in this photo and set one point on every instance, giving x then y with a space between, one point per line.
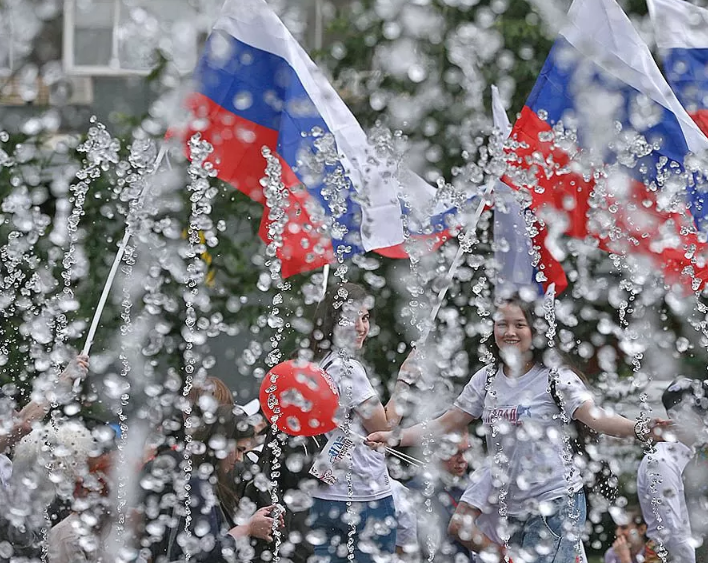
449 482
630 545
662 475
80 537
48 463
16 425
214 512
475 523
205 395
407 548
340 329
211 388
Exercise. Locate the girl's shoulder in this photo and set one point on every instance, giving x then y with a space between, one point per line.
483 376
335 361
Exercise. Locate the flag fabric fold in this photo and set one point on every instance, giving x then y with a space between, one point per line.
255 86
681 31
514 248
608 186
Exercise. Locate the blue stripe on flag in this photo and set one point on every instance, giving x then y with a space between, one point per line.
686 71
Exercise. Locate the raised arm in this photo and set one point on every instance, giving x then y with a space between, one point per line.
377 417
463 528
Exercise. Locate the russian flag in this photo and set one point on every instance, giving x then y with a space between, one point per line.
431 216
682 38
255 86
608 186
523 260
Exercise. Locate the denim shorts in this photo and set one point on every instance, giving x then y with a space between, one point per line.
375 537
555 538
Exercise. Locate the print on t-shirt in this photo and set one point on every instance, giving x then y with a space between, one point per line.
507 413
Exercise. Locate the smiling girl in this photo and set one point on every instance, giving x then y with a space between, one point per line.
342 324
524 430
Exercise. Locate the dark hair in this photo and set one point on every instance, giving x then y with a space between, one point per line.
329 313
226 423
695 391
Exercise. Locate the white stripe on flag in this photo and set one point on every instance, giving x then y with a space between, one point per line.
512 244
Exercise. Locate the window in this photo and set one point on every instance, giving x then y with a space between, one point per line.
18 28
119 37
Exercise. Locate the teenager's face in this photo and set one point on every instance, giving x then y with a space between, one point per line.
512 332
236 453
353 327
361 326
633 534
457 464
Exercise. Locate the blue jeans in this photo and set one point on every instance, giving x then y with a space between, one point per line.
375 530
550 539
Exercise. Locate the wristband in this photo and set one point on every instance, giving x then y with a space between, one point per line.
406 378
641 430
409 377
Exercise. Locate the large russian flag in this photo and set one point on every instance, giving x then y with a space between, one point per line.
681 31
523 260
255 86
608 186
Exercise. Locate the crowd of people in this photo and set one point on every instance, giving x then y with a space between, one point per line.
213 483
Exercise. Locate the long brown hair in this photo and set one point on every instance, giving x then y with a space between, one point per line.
329 313
229 426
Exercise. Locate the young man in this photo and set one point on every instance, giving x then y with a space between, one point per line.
448 483
671 483
630 543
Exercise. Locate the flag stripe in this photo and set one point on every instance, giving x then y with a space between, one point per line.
555 93
600 64
687 72
556 90
645 228
258 86
237 156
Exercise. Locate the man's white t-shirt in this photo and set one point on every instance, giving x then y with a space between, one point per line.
665 471
530 432
477 494
369 475
5 470
406 523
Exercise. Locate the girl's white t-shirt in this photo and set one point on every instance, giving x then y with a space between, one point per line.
528 446
369 476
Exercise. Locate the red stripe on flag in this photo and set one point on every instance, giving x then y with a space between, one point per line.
551 268
631 225
701 118
238 160
432 243
305 246
237 144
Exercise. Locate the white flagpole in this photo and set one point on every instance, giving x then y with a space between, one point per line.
325 280
457 261
114 268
